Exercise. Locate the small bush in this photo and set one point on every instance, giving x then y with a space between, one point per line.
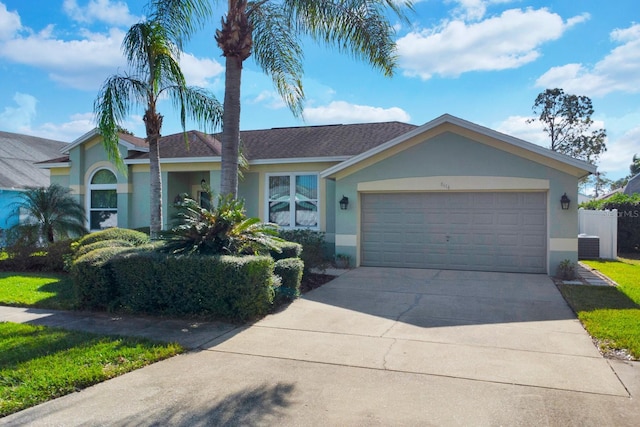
566 270
287 250
56 255
313 247
137 238
85 249
290 272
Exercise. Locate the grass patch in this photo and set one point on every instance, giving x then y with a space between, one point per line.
41 290
610 314
38 364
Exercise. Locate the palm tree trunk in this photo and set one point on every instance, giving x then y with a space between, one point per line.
155 201
153 124
231 126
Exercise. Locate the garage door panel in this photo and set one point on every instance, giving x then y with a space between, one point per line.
478 231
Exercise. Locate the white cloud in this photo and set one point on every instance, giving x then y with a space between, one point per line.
9 23
344 112
18 118
83 63
68 131
619 71
271 99
473 9
199 71
112 13
518 127
616 160
509 40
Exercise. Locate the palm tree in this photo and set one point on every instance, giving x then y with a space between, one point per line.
152 50
271 30
52 213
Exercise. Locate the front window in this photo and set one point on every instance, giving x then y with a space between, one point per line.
103 200
293 200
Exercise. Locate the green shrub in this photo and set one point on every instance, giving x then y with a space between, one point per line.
92 279
136 237
56 254
115 243
290 272
313 247
228 287
287 250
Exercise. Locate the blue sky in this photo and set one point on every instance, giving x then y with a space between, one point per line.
482 60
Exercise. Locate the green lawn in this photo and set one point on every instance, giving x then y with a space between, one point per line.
610 314
39 363
42 290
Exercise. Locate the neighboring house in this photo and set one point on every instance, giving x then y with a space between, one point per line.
18 155
449 194
633 186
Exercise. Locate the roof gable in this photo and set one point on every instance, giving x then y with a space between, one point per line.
130 142
481 134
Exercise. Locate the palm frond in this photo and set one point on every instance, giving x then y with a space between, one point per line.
357 27
181 18
198 105
112 105
278 51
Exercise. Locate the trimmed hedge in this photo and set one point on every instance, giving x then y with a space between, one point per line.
313 247
92 279
290 271
85 249
288 250
235 288
136 237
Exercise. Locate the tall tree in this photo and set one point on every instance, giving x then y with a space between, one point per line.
567 121
152 51
272 30
51 213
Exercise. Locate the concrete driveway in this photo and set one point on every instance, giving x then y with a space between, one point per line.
381 347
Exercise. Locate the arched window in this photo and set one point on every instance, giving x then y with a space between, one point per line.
103 200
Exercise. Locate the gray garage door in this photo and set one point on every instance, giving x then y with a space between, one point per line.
500 231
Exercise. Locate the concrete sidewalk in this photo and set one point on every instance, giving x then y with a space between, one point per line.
375 347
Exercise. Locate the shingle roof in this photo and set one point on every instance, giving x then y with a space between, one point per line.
175 146
319 141
286 143
18 153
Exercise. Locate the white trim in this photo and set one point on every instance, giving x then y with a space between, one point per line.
53 165
292 184
346 240
447 118
175 160
299 160
455 183
563 245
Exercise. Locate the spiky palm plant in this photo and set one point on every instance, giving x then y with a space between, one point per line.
222 229
51 213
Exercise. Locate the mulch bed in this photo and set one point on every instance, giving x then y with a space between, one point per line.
311 281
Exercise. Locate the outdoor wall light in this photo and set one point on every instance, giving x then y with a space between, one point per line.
344 203
564 202
203 182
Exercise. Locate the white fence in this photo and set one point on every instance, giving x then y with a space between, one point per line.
603 224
